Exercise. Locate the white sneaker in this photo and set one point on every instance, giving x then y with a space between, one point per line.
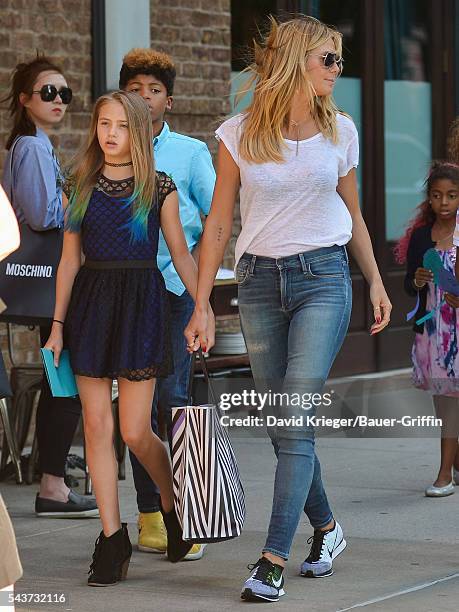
326 545
456 476
433 491
266 582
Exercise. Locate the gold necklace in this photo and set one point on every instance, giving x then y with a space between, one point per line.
445 237
296 124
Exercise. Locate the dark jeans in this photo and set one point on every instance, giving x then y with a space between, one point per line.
57 420
171 391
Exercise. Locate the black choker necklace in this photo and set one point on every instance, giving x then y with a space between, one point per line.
129 163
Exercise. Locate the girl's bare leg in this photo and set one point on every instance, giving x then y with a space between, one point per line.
447 409
96 399
135 400
456 458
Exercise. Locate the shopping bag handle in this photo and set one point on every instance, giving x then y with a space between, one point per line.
205 371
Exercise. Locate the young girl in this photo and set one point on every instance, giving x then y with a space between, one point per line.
32 179
292 155
114 310
435 349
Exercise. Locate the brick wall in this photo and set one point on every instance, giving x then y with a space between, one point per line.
195 32
62 30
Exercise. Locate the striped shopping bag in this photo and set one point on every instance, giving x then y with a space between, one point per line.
209 498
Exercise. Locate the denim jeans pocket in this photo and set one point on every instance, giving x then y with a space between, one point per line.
242 272
330 266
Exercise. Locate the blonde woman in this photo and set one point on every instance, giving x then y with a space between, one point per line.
114 310
292 157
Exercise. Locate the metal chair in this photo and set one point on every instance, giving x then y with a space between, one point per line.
25 381
10 443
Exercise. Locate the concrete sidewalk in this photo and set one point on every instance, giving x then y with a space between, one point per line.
402 551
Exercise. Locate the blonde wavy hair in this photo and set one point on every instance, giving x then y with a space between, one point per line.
278 71
86 167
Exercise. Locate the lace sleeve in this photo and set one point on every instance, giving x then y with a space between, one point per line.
165 186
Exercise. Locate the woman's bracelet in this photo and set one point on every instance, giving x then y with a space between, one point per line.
416 285
57 321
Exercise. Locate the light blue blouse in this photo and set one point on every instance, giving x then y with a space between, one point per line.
33 181
188 162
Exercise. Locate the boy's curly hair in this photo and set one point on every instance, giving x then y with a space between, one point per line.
453 142
148 61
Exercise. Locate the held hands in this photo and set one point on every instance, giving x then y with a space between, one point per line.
200 331
55 342
381 307
421 277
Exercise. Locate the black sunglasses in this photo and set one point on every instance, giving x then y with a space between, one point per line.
332 58
48 93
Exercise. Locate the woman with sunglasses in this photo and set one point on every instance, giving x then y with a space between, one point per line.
32 179
292 156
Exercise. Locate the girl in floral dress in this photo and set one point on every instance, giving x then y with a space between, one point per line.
435 348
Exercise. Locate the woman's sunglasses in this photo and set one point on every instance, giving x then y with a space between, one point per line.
332 58
48 93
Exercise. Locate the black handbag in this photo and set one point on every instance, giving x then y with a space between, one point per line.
28 276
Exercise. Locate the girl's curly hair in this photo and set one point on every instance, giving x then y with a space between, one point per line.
425 215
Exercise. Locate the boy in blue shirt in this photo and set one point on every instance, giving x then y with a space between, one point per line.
188 162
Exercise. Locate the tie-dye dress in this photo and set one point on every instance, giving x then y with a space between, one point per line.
435 351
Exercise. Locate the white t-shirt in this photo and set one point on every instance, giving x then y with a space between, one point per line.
293 206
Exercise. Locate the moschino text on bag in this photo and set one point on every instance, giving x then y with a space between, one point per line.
15 269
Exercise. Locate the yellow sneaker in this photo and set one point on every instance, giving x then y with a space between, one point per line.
195 553
152 533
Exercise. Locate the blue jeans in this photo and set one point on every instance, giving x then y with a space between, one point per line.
171 391
294 313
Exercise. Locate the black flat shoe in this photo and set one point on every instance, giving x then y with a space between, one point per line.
77 506
111 557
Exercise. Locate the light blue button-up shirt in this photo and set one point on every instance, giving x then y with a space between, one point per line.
188 162
33 181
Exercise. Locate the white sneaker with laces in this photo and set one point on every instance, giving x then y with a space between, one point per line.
266 583
326 545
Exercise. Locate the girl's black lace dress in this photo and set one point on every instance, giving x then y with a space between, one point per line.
117 324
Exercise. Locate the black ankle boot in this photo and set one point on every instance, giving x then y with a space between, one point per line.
177 548
111 557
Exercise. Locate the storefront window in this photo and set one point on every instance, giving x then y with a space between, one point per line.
247 17
407 108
